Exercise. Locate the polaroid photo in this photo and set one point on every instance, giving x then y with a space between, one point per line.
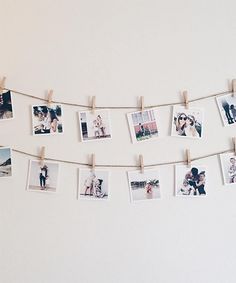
95 125
227 108
143 125
47 120
6 106
43 178
228 167
93 185
190 181
144 186
187 122
5 162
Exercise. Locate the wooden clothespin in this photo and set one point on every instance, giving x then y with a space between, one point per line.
42 156
2 84
50 94
234 87
188 158
142 103
93 162
93 104
186 102
234 143
141 163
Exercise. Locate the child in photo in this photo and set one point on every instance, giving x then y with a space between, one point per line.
232 170
143 125
193 183
144 186
95 126
93 184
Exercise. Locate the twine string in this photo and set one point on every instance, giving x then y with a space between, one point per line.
124 165
118 107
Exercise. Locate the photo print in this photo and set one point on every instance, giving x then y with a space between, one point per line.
93 185
144 186
143 125
95 125
5 162
43 178
227 108
187 122
6 106
228 166
47 120
190 181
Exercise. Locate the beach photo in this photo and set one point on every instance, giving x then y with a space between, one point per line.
187 122
228 167
95 125
43 177
47 120
227 108
5 162
6 106
93 185
144 186
143 125
190 181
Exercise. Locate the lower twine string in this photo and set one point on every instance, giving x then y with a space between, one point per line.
123 166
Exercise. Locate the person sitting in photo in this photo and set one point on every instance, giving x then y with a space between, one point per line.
200 184
233 112
180 122
185 189
5 105
190 127
232 170
148 188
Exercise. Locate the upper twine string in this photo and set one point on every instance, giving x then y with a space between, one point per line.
120 107
124 166
117 107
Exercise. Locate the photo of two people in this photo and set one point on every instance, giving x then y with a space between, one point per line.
190 181
187 122
93 184
227 108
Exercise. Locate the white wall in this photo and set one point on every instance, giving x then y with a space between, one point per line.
116 50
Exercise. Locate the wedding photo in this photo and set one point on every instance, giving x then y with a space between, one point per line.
144 186
43 178
228 166
6 106
143 125
93 185
187 122
5 162
227 108
95 125
190 181
47 120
